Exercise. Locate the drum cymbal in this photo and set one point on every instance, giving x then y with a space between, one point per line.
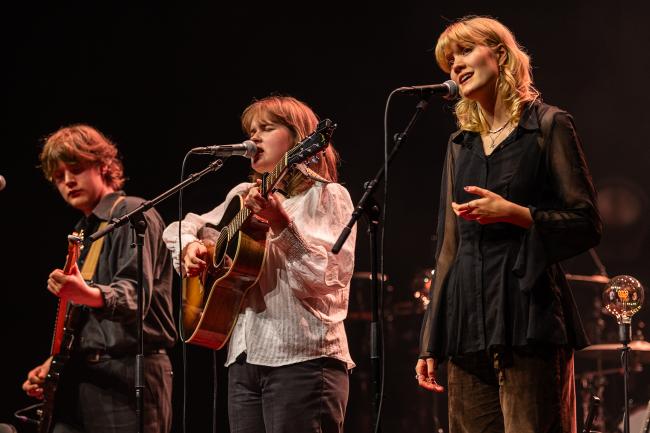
588 278
363 275
639 350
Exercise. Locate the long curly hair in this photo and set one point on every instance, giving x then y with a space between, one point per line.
515 81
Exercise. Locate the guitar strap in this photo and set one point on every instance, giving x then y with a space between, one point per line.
90 264
311 174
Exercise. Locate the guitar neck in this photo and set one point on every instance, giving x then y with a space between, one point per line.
74 242
272 178
57 338
268 182
313 143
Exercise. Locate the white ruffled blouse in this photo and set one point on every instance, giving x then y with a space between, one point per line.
297 314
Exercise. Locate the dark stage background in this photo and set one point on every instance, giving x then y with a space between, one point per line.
162 79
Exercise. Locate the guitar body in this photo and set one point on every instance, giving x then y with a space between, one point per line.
212 301
57 366
68 319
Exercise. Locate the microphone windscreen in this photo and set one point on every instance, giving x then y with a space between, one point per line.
453 89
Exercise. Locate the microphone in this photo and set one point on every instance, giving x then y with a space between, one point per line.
448 90
247 149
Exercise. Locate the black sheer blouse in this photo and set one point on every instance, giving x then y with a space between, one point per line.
499 285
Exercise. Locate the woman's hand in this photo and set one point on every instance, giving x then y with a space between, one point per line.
269 209
425 373
492 208
194 259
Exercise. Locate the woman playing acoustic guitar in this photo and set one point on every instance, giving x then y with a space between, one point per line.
288 357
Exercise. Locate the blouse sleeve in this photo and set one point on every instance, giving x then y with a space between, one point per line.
569 223
192 223
446 250
311 267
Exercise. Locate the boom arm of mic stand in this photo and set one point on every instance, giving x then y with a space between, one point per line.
372 185
146 205
358 211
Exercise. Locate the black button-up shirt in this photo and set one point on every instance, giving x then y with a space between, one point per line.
112 328
500 285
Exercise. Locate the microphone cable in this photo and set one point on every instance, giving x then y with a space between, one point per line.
382 221
181 331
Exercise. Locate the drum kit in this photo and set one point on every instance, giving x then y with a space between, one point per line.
599 370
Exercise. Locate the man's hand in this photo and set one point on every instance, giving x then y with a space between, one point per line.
74 288
33 386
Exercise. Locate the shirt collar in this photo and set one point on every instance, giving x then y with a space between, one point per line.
529 118
103 208
528 121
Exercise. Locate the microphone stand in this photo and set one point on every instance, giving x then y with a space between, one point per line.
369 207
139 226
625 336
594 405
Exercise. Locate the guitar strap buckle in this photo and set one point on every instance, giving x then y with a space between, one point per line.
95 356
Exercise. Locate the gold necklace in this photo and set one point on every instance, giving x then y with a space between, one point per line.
497 131
494 131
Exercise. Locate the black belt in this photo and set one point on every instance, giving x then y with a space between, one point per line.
100 355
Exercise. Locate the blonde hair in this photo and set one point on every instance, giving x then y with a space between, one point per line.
82 144
301 120
515 81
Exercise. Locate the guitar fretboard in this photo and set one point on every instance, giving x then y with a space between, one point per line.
74 242
307 147
269 182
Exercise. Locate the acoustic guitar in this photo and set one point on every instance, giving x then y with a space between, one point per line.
213 299
67 320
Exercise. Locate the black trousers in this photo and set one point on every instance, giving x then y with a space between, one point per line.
99 397
308 396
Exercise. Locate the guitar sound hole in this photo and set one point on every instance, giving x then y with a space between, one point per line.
220 251
224 253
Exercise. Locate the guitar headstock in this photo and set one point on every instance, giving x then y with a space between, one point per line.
313 143
75 241
306 148
76 238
